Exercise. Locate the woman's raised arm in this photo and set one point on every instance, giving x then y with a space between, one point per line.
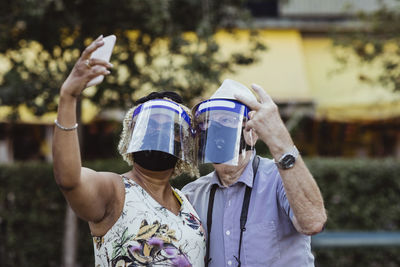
79 185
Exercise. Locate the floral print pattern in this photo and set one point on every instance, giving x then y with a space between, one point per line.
147 234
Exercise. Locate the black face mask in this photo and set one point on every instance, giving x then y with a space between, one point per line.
155 160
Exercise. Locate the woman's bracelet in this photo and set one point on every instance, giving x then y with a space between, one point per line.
65 128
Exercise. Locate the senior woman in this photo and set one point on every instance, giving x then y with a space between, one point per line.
135 218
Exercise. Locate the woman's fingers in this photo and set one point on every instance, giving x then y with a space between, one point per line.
97 67
86 69
92 47
95 61
98 70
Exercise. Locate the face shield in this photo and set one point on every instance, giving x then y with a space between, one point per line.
162 125
219 130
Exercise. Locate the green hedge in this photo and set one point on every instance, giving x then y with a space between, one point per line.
359 195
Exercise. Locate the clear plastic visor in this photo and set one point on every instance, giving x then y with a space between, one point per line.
162 125
219 127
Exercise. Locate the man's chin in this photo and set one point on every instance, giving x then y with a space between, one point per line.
235 161
226 163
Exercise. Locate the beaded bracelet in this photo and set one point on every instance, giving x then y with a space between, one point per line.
65 128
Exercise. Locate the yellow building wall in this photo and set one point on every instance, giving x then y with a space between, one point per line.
302 68
340 95
280 69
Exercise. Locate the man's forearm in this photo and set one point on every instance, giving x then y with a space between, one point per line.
304 198
301 189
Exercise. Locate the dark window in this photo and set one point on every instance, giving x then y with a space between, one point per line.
27 142
100 140
263 8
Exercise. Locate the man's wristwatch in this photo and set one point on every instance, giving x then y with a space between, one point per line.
287 160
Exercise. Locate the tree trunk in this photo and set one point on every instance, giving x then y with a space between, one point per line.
6 144
70 239
397 149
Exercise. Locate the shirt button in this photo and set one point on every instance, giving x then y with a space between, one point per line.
229 263
228 232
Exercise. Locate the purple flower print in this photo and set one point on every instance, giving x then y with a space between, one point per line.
154 241
170 250
181 261
135 248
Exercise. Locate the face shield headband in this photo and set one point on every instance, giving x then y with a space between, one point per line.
162 125
219 131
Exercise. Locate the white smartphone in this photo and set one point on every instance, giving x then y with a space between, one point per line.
104 52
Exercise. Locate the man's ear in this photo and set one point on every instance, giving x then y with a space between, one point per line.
250 137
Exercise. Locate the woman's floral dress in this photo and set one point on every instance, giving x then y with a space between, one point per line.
147 234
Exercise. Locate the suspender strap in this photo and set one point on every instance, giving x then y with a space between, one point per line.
243 214
209 218
243 220
245 208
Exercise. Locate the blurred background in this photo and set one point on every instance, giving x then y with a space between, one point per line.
333 68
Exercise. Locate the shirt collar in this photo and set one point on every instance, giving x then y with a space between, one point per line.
246 177
215 180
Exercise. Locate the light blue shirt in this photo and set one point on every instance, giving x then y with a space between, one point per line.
270 238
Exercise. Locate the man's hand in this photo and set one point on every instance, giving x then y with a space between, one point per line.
301 189
266 122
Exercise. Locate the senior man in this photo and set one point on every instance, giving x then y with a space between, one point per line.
258 211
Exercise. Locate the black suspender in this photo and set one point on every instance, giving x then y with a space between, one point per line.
243 219
209 218
243 215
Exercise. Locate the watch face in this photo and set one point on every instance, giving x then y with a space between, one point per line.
287 161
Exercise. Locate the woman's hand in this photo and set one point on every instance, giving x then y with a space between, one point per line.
85 69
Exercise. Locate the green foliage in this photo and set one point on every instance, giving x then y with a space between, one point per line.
359 195
358 257
31 215
147 31
375 42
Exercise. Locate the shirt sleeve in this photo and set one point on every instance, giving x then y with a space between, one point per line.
187 191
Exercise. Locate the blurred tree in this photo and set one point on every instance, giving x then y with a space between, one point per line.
56 31
42 39
375 42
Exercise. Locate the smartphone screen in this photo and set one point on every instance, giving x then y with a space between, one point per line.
104 52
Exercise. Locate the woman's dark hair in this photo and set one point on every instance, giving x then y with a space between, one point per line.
159 95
